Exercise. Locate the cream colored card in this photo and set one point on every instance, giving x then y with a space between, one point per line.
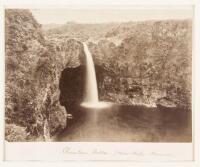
100 82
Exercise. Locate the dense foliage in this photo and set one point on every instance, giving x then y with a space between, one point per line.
32 98
148 62
152 60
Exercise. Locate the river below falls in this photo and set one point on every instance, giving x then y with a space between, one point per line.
129 124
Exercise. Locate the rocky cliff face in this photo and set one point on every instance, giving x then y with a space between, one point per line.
152 62
147 63
33 70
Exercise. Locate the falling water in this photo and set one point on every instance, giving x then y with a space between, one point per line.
91 95
91 99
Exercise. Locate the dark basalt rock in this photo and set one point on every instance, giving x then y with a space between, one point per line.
71 87
72 84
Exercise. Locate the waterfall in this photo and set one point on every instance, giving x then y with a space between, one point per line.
91 99
91 95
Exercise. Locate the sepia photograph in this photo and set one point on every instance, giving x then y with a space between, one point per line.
100 83
98 75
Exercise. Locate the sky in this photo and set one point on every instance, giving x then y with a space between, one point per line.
61 16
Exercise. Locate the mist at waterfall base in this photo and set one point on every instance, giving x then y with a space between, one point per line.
98 121
91 99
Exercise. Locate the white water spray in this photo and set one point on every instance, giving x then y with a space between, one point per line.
91 99
91 95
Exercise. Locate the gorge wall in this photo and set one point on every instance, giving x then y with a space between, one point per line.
144 63
33 69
